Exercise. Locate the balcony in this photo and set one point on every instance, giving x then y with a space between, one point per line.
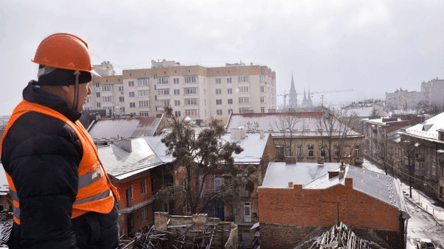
163 97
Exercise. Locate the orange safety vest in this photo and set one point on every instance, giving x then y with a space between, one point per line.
95 191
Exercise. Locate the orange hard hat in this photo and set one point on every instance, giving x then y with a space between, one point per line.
64 51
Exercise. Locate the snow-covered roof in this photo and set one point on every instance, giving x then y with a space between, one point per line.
314 176
279 174
253 146
124 127
429 128
120 163
360 111
268 121
303 123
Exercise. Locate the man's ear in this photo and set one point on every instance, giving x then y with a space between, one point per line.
65 88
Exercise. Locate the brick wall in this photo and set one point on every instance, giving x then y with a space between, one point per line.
320 208
137 196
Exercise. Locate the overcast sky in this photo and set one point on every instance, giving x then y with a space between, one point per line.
371 47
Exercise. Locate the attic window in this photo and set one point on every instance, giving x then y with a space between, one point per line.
426 127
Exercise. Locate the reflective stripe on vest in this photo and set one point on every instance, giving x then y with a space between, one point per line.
95 191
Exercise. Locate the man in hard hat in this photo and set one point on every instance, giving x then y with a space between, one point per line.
62 196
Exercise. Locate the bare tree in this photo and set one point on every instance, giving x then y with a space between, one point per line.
198 156
286 124
335 132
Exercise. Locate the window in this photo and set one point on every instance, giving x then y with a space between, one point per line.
262 110
243 100
219 112
98 105
98 95
218 181
299 151
323 152
144 214
262 78
132 104
243 78
88 99
189 79
230 111
176 92
176 80
218 81
144 103
121 99
107 88
144 114
191 90
142 82
130 83
143 187
97 84
131 94
190 101
131 192
262 89
262 99
310 151
218 91
230 101
163 81
337 151
142 93
176 102
190 112
107 99
229 80
218 102
164 91
120 88
122 109
243 89
177 113
166 103
229 91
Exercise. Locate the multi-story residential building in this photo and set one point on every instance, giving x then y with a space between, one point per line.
434 90
403 99
423 151
194 91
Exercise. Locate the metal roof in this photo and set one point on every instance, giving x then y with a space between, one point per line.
312 176
122 164
124 127
429 128
305 126
253 145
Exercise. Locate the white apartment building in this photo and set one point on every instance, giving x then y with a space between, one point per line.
403 99
193 91
434 90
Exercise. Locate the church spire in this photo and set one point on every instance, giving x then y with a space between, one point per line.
293 103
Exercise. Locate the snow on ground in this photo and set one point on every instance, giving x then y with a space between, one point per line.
427 215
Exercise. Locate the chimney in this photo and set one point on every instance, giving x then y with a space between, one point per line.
347 159
290 184
199 222
243 132
125 144
321 161
235 134
342 171
161 220
332 174
262 134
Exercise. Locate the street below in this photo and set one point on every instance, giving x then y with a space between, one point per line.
426 214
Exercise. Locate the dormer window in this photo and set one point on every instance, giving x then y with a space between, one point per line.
440 134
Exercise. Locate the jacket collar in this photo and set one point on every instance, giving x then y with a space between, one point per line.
33 93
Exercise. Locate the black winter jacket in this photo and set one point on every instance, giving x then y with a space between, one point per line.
42 155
